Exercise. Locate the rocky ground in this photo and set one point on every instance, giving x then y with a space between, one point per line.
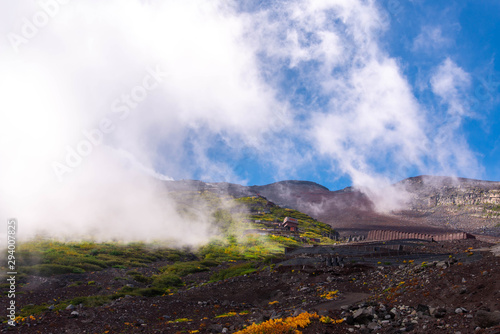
448 287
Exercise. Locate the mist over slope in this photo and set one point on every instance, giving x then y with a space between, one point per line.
432 204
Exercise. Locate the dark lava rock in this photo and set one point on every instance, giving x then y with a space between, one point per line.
423 308
440 313
487 319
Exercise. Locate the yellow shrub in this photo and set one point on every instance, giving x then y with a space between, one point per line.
281 326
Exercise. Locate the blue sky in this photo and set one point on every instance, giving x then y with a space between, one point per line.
467 32
419 36
96 96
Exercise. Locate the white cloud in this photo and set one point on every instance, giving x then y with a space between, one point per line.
451 83
430 39
223 90
66 79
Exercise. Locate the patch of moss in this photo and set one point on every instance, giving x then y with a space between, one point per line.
167 280
234 271
185 268
137 276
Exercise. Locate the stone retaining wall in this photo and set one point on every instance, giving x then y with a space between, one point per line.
396 235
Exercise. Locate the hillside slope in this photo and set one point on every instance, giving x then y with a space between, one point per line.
437 204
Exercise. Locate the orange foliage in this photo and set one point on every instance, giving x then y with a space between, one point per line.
281 326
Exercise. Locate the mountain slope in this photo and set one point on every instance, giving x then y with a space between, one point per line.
436 204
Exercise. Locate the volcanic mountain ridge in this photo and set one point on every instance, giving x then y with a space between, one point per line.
435 204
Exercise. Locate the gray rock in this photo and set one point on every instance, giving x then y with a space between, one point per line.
362 316
70 307
215 327
359 312
74 314
441 265
487 319
276 315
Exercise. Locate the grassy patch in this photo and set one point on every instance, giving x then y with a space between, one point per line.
150 292
184 268
250 247
167 280
77 283
31 309
48 258
90 301
137 276
233 271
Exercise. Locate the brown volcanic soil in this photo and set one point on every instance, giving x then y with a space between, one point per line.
471 282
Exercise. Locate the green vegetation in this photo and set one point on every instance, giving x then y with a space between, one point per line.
48 258
233 271
306 223
493 207
185 268
137 276
285 241
166 281
90 301
250 247
492 211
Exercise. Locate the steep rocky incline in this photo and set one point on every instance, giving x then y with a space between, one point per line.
456 203
431 191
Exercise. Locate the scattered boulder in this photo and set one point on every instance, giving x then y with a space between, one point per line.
363 316
442 265
487 319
